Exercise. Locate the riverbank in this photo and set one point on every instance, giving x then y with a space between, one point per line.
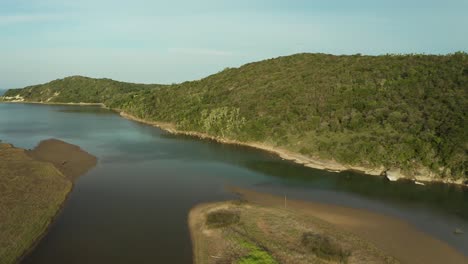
34 186
425 176
269 221
311 162
52 103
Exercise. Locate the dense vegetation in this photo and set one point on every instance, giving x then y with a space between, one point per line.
403 111
78 89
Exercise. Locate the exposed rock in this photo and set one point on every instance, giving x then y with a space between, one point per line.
13 99
394 174
423 174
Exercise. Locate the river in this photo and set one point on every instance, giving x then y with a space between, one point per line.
132 207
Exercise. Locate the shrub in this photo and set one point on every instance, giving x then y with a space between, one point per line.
256 255
222 218
323 247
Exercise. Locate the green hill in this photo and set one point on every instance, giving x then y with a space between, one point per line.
396 111
78 89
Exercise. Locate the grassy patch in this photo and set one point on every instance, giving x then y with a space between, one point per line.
323 247
256 255
222 218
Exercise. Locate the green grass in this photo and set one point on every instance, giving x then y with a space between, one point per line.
256 255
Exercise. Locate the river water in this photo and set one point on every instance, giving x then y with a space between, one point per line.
132 207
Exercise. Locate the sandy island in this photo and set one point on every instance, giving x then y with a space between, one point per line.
367 237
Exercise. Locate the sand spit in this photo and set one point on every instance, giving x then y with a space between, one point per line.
391 235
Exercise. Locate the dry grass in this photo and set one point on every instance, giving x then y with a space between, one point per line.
31 193
33 186
393 236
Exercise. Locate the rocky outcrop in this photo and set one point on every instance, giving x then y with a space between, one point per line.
13 99
394 174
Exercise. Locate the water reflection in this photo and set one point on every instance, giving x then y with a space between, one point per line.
448 199
133 206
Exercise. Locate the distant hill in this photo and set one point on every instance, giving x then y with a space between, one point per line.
391 111
77 89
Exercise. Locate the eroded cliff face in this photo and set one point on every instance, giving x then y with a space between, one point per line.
420 176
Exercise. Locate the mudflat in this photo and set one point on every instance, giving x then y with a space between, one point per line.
33 188
69 159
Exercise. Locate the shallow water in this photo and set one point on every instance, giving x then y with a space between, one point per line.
132 208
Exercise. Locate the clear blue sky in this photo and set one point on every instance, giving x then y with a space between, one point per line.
155 41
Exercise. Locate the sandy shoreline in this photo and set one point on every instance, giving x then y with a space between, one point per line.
52 103
392 235
311 162
315 163
284 154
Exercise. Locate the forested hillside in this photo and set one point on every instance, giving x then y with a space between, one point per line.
396 111
78 89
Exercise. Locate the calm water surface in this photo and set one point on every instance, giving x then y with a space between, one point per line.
132 208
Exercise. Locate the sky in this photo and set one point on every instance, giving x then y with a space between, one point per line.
154 41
